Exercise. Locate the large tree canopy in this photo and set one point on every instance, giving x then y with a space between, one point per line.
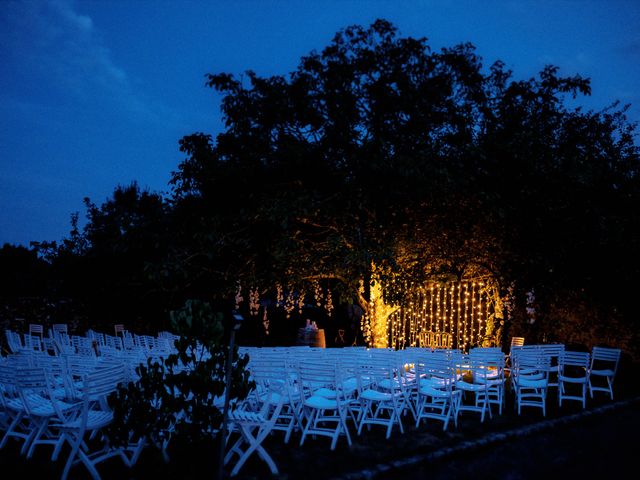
380 149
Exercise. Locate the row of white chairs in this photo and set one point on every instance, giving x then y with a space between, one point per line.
58 396
44 405
323 391
91 344
335 387
536 368
60 415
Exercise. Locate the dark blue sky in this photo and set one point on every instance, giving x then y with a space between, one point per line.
96 94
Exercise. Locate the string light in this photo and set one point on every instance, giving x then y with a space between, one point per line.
423 298
289 303
459 313
466 312
459 335
238 297
453 309
265 322
301 296
437 308
254 302
431 308
480 319
279 297
445 305
329 302
317 292
473 309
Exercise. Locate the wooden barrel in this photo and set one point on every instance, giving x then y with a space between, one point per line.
313 338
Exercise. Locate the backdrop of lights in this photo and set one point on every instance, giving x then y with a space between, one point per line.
454 314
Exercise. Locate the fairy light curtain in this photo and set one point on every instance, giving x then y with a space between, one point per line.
460 309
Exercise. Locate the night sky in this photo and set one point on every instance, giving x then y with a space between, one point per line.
96 94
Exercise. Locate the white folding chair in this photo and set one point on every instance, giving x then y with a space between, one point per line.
59 329
33 342
36 329
40 407
272 382
493 360
17 424
14 341
253 427
325 407
385 398
604 364
553 351
91 415
436 397
530 376
472 382
573 369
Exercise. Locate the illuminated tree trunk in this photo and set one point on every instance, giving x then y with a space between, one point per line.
380 312
377 314
495 321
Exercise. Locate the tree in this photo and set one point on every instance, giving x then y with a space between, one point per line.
109 263
23 273
378 149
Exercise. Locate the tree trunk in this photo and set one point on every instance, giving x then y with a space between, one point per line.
375 326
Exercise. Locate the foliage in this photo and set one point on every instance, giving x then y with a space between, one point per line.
23 273
179 398
426 162
106 262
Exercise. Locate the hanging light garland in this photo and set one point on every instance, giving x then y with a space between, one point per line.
265 321
480 318
289 303
466 313
301 296
329 303
473 309
423 316
238 298
254 301
431 308
437 308
452 327
279 296
317 293
459 325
